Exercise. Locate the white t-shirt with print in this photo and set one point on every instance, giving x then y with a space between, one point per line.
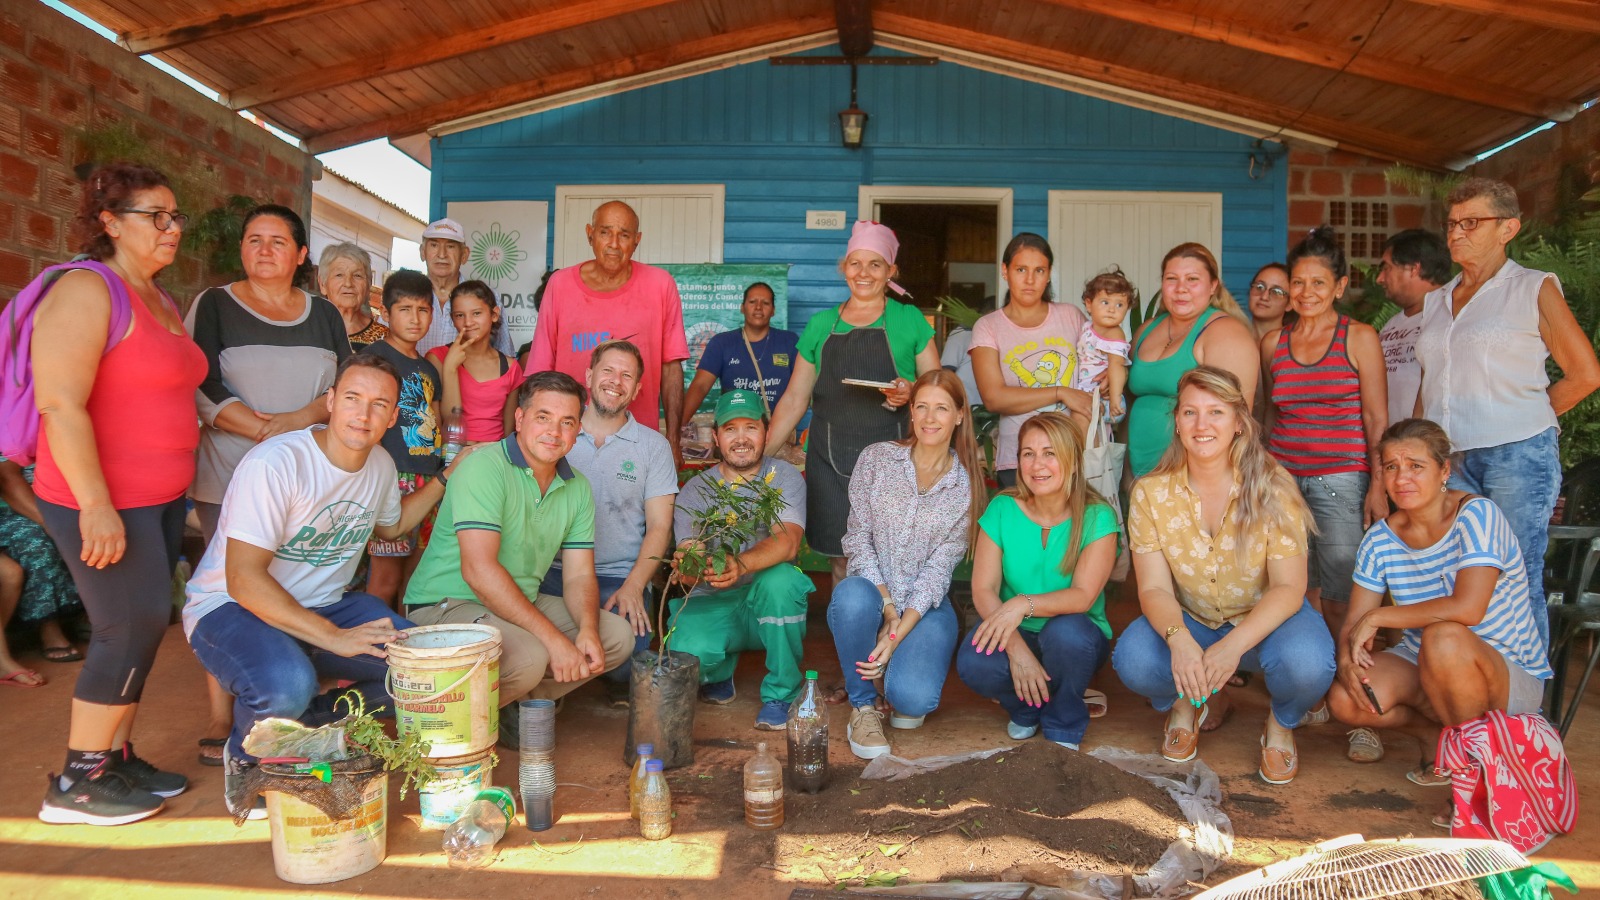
287 497
1399 340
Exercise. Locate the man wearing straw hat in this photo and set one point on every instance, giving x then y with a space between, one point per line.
514 507
267 611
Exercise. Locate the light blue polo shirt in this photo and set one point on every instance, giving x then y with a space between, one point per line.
633 465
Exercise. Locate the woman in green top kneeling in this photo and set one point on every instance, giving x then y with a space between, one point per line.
1045 549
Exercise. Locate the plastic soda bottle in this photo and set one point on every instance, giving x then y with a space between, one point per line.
763 791
469 841
455 431
644 752
808 739
655 804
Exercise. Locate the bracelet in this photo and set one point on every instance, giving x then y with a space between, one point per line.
442 478
1030 606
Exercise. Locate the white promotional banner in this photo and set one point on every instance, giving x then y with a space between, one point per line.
506 244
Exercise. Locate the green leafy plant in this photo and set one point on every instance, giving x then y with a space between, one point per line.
735 515
406 755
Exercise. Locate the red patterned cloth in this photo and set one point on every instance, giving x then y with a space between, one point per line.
1510 780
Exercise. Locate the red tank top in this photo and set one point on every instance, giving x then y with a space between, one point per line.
1319 429
143 412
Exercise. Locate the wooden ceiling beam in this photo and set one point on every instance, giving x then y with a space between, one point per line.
254 14
1566 15
435 50
854 18
414 121
1338 57
1356 138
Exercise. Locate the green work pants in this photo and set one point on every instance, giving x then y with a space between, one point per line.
768 613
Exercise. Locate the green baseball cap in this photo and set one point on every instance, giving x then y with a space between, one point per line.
739 404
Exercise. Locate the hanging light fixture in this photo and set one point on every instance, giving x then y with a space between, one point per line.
853 121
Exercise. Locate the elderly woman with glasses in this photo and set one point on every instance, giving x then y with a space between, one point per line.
1485 337
344 276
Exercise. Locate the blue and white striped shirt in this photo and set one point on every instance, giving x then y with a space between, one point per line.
1480 536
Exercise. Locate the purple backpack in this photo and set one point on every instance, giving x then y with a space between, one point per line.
19 414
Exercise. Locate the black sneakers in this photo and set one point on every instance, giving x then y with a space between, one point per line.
145 777
104 797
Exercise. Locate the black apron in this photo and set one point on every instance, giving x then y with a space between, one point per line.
845 418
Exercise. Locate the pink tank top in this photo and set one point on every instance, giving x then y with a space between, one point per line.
483 403
143 412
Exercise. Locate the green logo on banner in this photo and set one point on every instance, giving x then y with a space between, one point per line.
495 254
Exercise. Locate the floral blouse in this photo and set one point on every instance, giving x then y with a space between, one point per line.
906 541
1213 586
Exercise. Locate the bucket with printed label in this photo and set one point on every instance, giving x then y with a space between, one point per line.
308 847
445 680
457 780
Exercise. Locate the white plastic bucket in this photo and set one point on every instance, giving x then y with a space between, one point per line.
445 680
458 780
310 848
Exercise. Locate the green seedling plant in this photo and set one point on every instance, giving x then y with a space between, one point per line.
737 514
407 755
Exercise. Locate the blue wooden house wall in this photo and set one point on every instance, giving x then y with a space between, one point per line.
771 135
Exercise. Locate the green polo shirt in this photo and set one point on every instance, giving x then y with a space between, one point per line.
494 490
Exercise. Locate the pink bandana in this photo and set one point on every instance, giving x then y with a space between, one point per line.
879 239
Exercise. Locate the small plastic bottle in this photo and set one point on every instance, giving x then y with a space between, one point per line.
763 791
454 432
469 840
645 752
808 739
655 804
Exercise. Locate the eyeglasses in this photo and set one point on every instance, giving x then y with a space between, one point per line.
160 218
1471 223
1271 289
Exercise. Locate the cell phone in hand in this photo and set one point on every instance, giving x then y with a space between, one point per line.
1373 697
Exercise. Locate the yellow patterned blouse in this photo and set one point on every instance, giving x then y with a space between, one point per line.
1213 587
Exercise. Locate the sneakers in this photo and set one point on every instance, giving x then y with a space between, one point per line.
617 694
102 797
718 693
865 733
1365 745
145 777
1318 715
234 771
905 723
774 716
1020 732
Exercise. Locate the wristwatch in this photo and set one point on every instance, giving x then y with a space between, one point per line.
1172 630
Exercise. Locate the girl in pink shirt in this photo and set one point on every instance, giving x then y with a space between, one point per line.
480 382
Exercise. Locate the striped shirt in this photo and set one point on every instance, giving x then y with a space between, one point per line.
1480 536
1319 430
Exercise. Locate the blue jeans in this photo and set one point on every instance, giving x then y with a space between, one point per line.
1297 658
921 662
1071 648
1523 479
271 674
1337 503
608 586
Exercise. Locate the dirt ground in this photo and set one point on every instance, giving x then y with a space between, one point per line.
193 850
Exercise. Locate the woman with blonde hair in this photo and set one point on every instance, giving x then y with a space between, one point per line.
1044 551
1218 533
913 508
1199 324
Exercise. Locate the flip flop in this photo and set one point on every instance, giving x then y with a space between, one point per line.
1096 701
207 746
837 696
62 654
21 678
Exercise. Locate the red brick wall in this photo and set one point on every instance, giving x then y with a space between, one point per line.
57 76
1536 166
1326 186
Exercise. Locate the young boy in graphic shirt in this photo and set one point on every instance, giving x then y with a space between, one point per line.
414 442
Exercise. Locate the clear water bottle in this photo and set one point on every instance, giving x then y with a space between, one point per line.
655 804
469 840
455 430
763 791
645 752
808 739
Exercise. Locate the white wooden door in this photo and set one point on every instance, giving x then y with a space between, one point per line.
1091 231
679 223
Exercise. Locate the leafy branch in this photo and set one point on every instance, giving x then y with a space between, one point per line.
407 755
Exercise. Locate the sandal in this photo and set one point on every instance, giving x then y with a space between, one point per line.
837 696
1240 679
1096 701
62 654
1424 775
211 751
24 678
1224 709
